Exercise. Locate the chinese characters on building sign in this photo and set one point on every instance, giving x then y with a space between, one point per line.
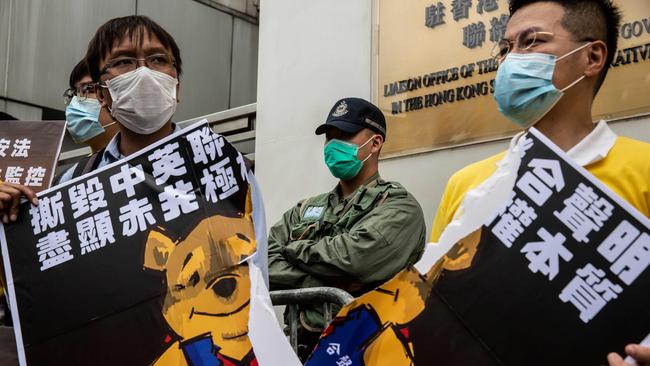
435 71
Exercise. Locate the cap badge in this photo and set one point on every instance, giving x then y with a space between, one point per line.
341 109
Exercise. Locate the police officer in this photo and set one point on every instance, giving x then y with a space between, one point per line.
356 236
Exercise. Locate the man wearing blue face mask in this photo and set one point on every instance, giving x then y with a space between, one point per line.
553 60
88 122
354 237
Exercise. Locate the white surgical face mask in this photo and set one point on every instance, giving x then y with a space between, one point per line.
143 99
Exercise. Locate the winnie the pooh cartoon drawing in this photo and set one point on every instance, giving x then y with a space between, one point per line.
207 300
374 329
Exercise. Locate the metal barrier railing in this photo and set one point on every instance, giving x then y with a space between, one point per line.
313 295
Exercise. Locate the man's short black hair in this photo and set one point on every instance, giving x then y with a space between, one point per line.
78 73
112 32
587 20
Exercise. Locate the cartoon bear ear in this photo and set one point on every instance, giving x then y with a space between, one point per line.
157 250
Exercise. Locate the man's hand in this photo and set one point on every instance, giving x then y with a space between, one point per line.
10 200
640 353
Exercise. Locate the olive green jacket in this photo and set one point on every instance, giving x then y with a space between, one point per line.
354 244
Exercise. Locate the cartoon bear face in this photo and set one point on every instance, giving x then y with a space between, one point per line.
208 284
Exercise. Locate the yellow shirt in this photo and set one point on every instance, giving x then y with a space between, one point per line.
625 169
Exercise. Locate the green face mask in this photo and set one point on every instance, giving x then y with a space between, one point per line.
341 158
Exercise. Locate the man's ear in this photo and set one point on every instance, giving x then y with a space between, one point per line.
596 58
101 97
377 143
178 92
157 250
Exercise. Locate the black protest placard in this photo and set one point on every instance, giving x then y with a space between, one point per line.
29 152
83 285
559 275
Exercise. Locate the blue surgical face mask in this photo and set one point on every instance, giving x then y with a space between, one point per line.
524 89
83 119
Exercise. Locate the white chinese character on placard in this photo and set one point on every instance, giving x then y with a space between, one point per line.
222 184
21 148
35 176
95 232
177 199
48 214
546 174
243 171
344 361
4 145
597 209
544 256
522 211
618 240
513 219
208 181
549 171
225 179
104 227
126 179
584 211
578 201
600 211
206 145
507 229
589 292
13 174
87 234
54 249
586 193
634 261
575 219
629 251
333 348
87 197
534 188
135 216
167 162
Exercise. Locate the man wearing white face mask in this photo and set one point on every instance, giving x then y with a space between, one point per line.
136 64
137 84
554 58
